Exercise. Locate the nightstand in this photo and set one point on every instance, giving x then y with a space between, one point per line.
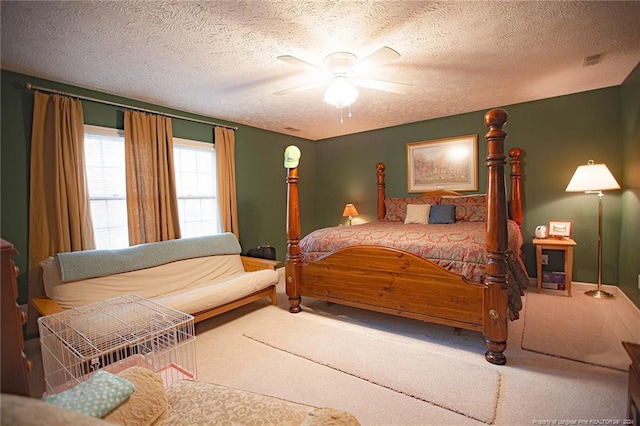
566 245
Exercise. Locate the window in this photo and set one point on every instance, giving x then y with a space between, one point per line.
104 163
106 179
195 168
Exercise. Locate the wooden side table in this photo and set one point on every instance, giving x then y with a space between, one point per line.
566 245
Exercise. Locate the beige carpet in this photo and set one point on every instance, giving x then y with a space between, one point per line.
534 388
591 330
408 368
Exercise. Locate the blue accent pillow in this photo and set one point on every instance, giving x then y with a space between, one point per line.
442 214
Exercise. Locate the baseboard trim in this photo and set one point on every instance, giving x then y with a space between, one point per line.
580 286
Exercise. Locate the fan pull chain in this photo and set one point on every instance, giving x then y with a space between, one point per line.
341 117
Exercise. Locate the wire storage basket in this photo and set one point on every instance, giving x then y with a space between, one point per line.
113 335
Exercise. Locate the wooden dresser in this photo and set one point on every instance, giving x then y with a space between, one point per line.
15 365
633 403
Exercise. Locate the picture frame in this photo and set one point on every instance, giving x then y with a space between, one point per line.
560 229
450 163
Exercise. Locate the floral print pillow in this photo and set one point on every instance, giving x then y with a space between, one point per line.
469 208
396 208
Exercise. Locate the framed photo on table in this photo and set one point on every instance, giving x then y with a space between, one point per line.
450 163
560 228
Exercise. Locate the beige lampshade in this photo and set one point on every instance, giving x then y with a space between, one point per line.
350 210
592 177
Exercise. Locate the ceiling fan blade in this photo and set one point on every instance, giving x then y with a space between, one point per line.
303 87
385 86
300 63
378 58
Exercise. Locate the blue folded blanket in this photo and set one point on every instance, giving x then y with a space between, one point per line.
78 265
96 397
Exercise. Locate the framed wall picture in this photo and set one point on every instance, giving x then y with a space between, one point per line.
450 163
560 228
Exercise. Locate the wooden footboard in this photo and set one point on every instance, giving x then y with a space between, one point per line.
400 283
393 281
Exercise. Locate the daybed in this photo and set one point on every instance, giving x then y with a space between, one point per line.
202 276
185 402
367 273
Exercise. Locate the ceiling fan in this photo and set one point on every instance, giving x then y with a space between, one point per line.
342 70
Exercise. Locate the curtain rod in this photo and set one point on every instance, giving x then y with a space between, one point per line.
86 98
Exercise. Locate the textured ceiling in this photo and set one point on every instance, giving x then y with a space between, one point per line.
218 58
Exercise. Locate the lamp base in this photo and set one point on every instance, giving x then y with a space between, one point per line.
599 294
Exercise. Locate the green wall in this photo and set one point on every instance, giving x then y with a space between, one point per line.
260 173
556 134
629 262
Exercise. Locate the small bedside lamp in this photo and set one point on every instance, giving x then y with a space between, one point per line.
349 211
593 179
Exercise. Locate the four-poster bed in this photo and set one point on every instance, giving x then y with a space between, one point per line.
379 277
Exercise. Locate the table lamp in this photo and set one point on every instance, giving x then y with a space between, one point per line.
350 211
593 179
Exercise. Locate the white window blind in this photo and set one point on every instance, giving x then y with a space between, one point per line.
194 165
104 163
195 168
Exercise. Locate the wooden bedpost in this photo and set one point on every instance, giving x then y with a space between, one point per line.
292 261
381 190
515 201
495 300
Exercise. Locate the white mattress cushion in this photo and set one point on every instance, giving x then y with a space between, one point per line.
219 292
149 283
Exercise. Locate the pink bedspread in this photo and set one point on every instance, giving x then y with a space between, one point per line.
458 247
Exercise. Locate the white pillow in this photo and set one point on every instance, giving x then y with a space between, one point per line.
51 275
417 213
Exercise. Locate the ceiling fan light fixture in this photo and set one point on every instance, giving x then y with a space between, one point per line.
341 92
